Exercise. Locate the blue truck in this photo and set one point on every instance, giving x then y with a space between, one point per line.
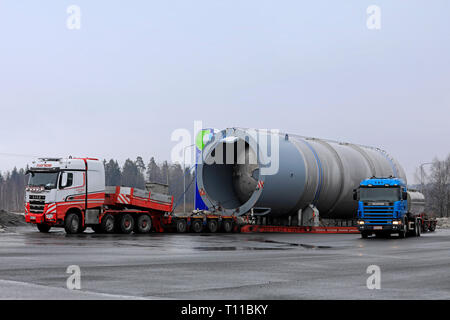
386 206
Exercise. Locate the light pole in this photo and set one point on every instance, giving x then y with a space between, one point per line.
422 175
184 176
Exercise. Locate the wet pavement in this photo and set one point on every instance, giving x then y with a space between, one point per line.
222 266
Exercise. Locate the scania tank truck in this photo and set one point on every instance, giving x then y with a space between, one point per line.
386 206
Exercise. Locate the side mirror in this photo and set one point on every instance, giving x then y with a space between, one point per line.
404 195
63 180
355 194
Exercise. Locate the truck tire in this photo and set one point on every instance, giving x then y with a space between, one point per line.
213 225
126 224
364 235
107 224
44 228
181 225
197 226
143 224
72 223
402 233
418 228
227 225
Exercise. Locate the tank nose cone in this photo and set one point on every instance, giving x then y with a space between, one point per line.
245 175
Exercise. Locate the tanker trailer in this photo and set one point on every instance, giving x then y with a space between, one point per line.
275 174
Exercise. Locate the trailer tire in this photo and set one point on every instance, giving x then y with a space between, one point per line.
227 225
181 225
143 224
213 225
196 226
432 227
44 228
72 223
107 224
126 224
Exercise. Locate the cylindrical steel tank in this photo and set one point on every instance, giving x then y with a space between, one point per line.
416 202
281 173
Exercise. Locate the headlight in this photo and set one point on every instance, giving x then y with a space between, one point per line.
397 222
360 222
49 216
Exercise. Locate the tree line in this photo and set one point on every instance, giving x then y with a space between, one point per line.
132 174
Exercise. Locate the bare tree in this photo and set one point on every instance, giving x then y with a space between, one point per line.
439 187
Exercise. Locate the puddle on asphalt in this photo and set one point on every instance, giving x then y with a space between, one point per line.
235 248
307 246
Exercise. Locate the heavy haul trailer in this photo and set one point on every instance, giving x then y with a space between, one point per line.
71 193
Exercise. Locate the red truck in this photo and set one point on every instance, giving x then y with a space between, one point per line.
71 193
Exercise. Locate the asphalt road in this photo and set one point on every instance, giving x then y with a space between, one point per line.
222 266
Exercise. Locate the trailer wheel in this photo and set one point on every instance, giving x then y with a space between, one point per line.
143 224
213 225
432 227
44 228
107 224
72 223
126 224
197 226
227 225
181 225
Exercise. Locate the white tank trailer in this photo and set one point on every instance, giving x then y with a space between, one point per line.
241 173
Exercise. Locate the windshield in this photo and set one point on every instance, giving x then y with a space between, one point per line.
379 194
45 179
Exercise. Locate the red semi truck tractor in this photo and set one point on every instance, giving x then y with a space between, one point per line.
71 193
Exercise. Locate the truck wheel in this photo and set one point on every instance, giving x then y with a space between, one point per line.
227 225
402 234
44 228
107 224
97 228
143 224
197 226
364 234
418 229
213 225
126 224
181 225
72 223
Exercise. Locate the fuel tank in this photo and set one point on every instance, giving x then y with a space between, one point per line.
416 202
277 174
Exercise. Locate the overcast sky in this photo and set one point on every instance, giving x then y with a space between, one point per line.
138 70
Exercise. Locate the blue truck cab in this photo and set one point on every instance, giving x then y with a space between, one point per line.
384 207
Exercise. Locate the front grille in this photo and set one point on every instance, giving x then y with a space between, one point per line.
37 203
378 214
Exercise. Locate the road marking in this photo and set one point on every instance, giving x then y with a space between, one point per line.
80 292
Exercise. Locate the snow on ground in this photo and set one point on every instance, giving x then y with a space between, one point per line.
443 223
